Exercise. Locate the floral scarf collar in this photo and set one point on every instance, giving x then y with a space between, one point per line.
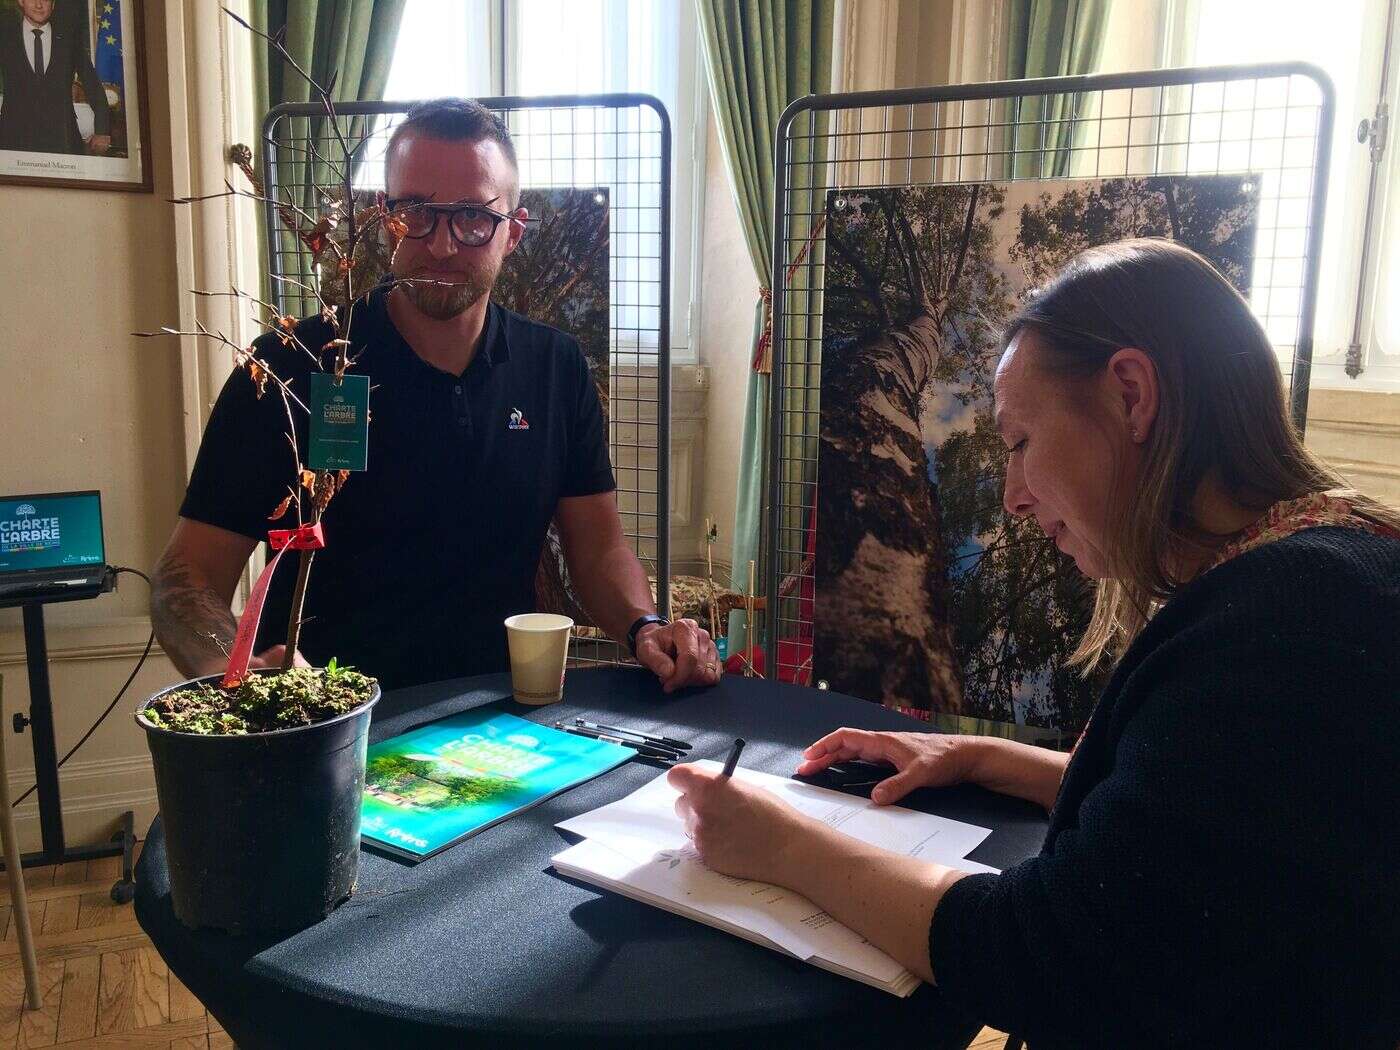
1288 516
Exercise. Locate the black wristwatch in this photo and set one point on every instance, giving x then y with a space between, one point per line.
636 629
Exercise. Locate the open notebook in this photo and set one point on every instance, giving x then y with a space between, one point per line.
637 847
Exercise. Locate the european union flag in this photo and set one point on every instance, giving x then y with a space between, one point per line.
108 56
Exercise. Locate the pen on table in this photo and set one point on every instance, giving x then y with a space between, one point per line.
733 759
655 741
646 750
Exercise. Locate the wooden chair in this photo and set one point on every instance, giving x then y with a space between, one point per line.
14 872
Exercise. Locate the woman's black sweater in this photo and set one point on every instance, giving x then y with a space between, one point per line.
1223 861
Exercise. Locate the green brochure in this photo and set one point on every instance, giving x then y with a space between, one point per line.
339 422
443 782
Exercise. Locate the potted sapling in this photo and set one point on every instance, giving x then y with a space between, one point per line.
260 773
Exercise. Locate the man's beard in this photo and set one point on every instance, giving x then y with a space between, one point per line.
442 300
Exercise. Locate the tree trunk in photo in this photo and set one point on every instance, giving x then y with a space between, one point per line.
883 616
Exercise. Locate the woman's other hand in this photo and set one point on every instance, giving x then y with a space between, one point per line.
919 759
1007 767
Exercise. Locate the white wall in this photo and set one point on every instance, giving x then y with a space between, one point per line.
87 405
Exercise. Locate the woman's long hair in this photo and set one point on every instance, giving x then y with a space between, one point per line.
1221 414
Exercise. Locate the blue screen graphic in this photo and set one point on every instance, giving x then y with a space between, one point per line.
50 532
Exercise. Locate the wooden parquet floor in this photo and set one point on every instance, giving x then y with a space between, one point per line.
104 985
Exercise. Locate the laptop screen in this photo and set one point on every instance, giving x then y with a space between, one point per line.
54 531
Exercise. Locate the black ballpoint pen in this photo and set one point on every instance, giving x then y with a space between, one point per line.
655 741
732 760
646 750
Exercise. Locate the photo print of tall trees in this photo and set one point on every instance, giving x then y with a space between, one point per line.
930 598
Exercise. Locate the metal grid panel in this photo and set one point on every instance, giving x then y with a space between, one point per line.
621 142
1271 121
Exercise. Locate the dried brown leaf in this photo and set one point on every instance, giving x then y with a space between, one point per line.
282 507
257 373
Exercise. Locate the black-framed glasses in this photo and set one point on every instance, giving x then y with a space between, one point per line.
471 225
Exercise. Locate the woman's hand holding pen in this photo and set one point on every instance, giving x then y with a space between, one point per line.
739 829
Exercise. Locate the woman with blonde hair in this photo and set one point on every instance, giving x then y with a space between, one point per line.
1222 865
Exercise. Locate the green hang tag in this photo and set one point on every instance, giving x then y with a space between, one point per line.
339 422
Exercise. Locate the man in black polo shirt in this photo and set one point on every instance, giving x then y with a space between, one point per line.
484 427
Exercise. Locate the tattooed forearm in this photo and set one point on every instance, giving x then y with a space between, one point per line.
194 624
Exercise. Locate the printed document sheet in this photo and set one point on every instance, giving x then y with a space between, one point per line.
637 846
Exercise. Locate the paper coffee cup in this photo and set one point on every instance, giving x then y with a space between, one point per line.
539 648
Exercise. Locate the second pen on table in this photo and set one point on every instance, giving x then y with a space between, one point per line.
655 741
641 747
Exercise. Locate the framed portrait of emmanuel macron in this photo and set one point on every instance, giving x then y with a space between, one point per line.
73 94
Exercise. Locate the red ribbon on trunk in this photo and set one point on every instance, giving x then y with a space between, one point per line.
304 538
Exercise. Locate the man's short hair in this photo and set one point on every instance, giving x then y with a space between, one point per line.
458 120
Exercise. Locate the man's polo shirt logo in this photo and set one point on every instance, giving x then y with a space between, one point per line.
517 420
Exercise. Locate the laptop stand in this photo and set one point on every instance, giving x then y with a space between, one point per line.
55 849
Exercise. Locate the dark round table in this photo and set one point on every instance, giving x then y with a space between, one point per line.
485 941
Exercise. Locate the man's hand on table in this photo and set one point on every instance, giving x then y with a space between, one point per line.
680 654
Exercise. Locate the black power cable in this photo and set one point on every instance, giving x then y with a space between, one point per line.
116 570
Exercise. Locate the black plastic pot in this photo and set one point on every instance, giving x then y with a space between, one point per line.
262 831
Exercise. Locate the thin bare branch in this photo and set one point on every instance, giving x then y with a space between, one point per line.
252 195
241 354
287 335
296 453
278 46
291 337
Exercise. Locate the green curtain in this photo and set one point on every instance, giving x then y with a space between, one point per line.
351 41
1050 38
761 55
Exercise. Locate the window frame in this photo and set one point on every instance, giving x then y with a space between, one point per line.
1333 330
1376 370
